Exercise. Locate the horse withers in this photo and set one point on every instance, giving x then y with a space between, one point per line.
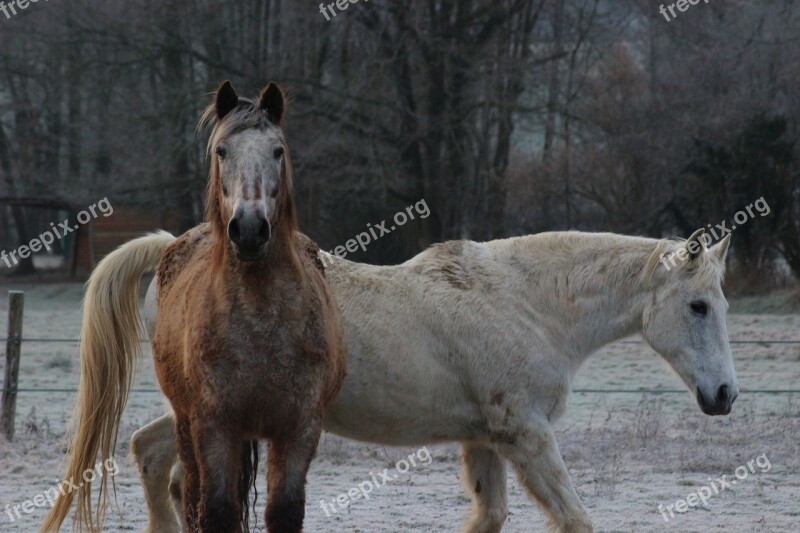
248 343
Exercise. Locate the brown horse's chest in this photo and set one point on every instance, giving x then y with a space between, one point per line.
255 358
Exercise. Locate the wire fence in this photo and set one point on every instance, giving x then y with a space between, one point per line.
764 342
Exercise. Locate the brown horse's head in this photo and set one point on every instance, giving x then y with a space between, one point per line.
249 191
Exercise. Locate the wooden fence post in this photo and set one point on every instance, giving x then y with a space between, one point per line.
16 300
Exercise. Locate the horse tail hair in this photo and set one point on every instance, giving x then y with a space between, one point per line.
247 480
109 349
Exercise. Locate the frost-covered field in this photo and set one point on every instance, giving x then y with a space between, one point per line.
627 453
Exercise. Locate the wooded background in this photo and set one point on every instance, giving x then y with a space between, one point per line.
506 116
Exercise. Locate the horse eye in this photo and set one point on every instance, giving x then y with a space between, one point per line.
699 307
278 153
221 152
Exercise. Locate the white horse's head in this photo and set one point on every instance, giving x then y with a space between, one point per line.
684 320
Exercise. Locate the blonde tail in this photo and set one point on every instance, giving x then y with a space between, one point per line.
109 350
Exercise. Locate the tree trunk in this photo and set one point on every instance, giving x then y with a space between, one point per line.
25 266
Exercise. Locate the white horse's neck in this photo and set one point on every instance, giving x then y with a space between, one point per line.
586 287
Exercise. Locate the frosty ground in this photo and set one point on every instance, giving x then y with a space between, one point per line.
627 453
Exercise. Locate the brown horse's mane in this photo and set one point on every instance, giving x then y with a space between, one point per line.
246 115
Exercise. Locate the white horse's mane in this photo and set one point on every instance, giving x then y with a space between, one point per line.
622 259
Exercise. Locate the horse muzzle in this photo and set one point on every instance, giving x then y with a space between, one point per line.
721 403
249 236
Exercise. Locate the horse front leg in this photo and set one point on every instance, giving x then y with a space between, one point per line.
530 446
219 464
289 460
191 481
153 449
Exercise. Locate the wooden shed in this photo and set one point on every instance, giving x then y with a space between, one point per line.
102 235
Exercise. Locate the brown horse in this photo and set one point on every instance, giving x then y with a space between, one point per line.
248 343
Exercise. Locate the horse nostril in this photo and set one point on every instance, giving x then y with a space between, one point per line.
722 393
265 231
234 233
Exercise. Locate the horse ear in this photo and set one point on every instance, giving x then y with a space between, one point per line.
721 248
226 100
695 244
272 102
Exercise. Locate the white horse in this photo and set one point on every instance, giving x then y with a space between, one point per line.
478 343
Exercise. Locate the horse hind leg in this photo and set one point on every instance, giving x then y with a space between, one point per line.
289 461
153 449
176 483
530 446
485 479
